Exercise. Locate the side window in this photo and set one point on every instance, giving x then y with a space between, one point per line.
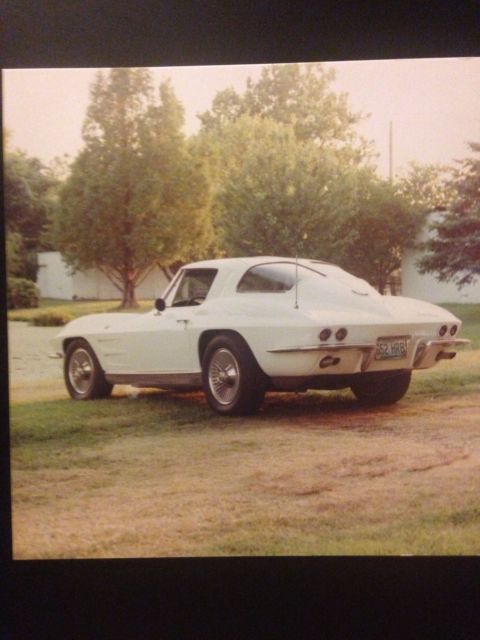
268 278
194 287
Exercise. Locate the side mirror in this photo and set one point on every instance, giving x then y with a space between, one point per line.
160 304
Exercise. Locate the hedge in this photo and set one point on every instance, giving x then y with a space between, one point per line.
22 293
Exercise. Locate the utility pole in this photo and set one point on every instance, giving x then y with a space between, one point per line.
390 151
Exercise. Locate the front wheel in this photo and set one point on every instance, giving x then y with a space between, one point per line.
232 380
378 390
84 377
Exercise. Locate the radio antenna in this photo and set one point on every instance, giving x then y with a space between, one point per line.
296 281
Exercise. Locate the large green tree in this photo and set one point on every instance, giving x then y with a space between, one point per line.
453 253
278 195
290 135
137 195
293 176
299 95
29 199
370 240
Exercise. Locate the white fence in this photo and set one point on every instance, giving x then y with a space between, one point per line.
55 280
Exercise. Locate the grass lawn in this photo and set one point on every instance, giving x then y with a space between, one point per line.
158 474
75 308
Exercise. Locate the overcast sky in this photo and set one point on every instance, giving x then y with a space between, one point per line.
434 104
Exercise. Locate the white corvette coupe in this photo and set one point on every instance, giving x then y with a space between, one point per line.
242 326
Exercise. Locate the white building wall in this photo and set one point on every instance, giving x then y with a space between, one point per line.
55 281
95 284
426 286
53 277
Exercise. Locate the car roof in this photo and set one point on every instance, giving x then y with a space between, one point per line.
230 270
246 262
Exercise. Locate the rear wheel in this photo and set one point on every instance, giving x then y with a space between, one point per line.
84 377
378 390
232 380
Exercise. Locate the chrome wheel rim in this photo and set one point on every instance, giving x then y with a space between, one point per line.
224 376
80 371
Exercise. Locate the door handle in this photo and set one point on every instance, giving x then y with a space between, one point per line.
185 320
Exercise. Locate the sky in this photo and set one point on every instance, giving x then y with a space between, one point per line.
433 104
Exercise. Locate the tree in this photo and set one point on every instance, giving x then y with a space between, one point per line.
311 129
427 188
371 239
295 95
278 195
29 192
15 253
137 196
292 176
453 253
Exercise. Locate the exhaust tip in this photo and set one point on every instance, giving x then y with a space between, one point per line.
328 361
446 355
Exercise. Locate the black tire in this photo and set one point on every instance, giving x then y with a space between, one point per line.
378 390
84 377
233 382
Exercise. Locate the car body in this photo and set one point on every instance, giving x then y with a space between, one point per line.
238 327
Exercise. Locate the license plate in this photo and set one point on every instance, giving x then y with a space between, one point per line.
391 348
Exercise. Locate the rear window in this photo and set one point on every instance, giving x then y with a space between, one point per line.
271 278
275 277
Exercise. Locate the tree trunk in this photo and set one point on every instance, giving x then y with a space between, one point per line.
129 296
381 285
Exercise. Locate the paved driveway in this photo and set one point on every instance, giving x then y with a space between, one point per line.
28 351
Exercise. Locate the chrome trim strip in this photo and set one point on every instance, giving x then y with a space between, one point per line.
55 356
419 358
324 347
447 342
367 349
367 357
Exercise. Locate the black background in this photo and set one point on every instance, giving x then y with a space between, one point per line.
236 597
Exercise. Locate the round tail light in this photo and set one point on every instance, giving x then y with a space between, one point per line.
341 334
325 334
443 330
453 330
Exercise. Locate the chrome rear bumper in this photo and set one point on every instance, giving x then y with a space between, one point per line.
368 350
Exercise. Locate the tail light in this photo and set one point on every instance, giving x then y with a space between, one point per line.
453 330
341 334
443 330
325 334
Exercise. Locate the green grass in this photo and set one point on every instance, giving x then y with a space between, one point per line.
85 423
446 532
301 478
75 308
459 376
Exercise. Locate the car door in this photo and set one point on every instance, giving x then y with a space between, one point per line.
165 342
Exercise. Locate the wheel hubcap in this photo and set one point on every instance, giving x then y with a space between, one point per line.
80 371
224 376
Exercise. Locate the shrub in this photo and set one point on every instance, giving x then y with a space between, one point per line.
51 319
22 293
